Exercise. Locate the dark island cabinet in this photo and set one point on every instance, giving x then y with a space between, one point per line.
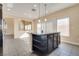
45 43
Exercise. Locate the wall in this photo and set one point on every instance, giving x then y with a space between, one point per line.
10 26
73 13
34 26
51 26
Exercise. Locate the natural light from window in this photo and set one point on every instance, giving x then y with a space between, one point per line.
28 27
63 26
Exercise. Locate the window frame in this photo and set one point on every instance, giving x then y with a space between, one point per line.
68 25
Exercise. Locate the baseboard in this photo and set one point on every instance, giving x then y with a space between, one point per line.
10 34
73 43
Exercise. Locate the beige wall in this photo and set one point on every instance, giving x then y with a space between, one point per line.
10 26
73 13
34 26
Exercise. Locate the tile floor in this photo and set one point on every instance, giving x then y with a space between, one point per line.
16 47
64 49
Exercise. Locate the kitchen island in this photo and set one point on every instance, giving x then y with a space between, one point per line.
45 43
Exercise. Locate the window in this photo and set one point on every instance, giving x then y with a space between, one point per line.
28 27
63 26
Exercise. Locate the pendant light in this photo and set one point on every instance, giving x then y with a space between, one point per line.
39 13
45 12
40 21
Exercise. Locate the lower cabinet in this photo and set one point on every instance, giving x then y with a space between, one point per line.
50 43
45 43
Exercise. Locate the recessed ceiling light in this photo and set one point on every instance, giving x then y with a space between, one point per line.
8 9
35 5
33 10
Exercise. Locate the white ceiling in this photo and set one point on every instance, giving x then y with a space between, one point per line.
25 9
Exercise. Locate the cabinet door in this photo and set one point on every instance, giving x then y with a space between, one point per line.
50 43
55 40
58 38
44 41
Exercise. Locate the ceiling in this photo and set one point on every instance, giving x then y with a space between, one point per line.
25 9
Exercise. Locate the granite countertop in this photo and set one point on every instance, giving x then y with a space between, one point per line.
46 33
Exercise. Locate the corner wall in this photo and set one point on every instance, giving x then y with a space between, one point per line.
10 26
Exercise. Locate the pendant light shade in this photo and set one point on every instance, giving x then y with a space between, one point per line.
45 19
39 20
